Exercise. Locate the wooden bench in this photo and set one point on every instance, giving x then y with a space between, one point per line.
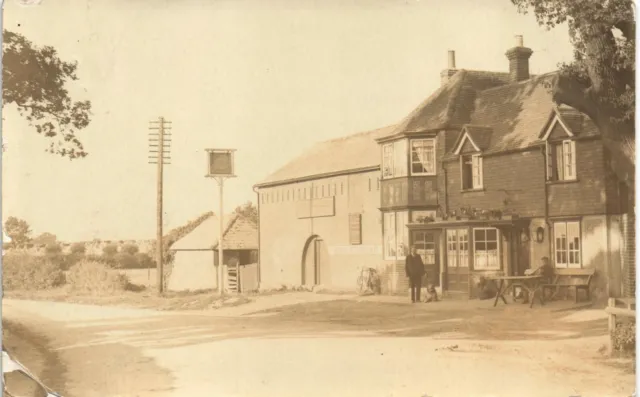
580 279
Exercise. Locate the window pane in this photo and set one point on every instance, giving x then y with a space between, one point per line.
389 234
400 158
479 234
492 234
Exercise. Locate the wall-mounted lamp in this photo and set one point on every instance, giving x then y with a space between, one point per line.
524 235
540 235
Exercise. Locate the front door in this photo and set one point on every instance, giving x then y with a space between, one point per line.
458 260
427 247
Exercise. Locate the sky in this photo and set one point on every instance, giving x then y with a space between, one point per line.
268 78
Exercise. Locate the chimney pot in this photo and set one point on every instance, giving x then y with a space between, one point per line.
452 59
519 41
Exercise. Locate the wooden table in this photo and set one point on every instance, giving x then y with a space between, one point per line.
531 284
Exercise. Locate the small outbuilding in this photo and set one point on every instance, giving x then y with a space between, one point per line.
195 260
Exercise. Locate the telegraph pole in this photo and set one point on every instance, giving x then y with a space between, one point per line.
159 153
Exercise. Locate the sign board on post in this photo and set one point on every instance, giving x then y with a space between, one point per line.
220 163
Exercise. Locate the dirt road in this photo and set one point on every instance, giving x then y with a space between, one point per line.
341 347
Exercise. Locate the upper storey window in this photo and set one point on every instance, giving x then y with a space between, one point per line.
423 156
394 159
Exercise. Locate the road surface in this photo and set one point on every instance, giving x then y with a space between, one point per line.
341 347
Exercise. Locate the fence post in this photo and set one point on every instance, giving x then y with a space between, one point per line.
612 323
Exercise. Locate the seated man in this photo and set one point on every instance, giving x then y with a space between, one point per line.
545 270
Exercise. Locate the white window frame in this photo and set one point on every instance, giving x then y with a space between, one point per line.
388 170
392 222
394 159
477 172
569 159
568 147
457 240
498 251
564 255
433 156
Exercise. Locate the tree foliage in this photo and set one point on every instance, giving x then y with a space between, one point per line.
35 80
18 231
600 81
45 238
129 248
248 211
78 248
110 250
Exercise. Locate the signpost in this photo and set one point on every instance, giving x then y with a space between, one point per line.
219 167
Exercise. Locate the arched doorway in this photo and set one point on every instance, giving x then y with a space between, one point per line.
314 262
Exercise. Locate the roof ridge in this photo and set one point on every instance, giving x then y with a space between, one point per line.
522 82
355 134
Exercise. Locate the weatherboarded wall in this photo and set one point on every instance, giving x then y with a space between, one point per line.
290 219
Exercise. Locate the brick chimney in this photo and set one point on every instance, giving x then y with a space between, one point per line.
519 60
446 74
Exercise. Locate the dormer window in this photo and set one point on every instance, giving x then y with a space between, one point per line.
561 161
423 156
394 159
471 171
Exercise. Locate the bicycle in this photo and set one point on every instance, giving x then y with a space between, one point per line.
368 281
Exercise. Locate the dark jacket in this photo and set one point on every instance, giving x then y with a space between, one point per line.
414 266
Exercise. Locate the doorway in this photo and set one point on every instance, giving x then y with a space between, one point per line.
426 244
314 262
458 260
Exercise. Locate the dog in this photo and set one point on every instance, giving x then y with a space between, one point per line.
431 295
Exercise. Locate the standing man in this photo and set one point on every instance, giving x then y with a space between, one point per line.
415 271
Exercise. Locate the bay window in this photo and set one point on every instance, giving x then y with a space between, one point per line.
396 237
567 244
394 159
486 249
423 156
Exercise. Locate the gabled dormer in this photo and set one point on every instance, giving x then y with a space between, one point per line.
560 146
469 146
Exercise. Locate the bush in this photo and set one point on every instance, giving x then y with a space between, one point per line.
624 338
125 260
145 261
21 271
110 250
72 259
96 278
78 248
130 249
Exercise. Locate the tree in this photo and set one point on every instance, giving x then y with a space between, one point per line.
78 248
53 249
144 261
124 260
45 239
35 81
18 231
131 249
248 211
600 82
110 250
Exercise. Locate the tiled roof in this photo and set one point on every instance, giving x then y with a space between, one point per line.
499 116
354 152
451 104
239 233
517 113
